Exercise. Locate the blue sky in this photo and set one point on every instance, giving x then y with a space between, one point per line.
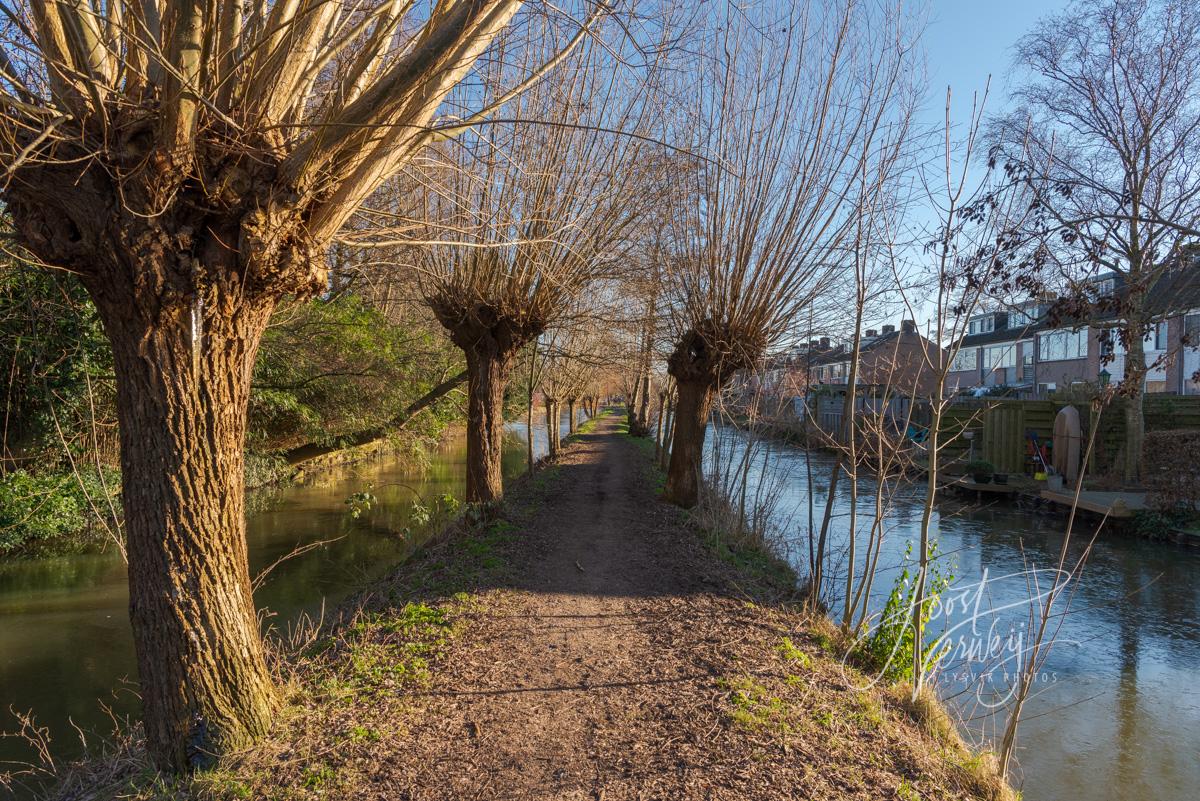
969 39
964 43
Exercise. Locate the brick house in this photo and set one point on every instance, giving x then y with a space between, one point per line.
898 360
1018 351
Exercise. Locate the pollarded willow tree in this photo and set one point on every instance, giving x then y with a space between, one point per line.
790 111
190 162
525 215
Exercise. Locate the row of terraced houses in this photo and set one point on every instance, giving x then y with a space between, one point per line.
1016 351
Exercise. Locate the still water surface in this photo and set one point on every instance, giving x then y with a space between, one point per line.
1116 717
1115 714
65 642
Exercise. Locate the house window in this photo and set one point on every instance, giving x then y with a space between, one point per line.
983 325
1057 346
1160 336
1191 328
966 359
1021 317
996 357
1104 287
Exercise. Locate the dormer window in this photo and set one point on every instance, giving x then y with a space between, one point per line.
1104 287
1022 317
983 325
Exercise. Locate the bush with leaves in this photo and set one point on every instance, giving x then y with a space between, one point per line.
890 645
1169 470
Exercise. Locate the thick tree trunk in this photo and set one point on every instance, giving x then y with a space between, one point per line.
183 384
571 416
487 377
687 446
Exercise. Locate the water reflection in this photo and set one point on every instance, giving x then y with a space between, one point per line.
1117 715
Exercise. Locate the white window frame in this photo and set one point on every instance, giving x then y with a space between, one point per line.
982 325
960 361
1007 356
1069 336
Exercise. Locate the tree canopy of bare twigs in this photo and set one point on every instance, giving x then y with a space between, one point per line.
1106 140
790 107
520 219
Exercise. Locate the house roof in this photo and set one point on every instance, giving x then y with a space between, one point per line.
841 353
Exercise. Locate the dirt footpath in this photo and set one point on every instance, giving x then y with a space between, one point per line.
622 660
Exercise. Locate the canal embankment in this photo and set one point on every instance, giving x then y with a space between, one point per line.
585 642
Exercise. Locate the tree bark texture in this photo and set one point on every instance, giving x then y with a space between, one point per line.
490 341
1135 391
687 446
487 377
553 424
699 369
571 416
183 384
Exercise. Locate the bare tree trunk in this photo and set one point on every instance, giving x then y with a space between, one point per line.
487 376
658 432
552 424
1135 390
571 416
668 434
687 446
183 385
644 402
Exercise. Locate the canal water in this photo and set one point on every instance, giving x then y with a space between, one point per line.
1115 712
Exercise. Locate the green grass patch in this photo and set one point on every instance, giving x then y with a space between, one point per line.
753 707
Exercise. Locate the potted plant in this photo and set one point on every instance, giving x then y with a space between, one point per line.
981 470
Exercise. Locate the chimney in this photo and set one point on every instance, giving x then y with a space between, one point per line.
889 329
872 333
824 342
908 326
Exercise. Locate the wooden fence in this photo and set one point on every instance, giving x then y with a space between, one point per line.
1001 427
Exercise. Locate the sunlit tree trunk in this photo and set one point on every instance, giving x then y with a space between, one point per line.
687 446
487 376
183 384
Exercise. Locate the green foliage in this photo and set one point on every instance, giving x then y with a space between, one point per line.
890 646
980 466
56 362
35 509
361 502
793 655
334 367
1156 524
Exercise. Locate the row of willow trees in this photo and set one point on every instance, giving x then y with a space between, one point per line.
646 176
